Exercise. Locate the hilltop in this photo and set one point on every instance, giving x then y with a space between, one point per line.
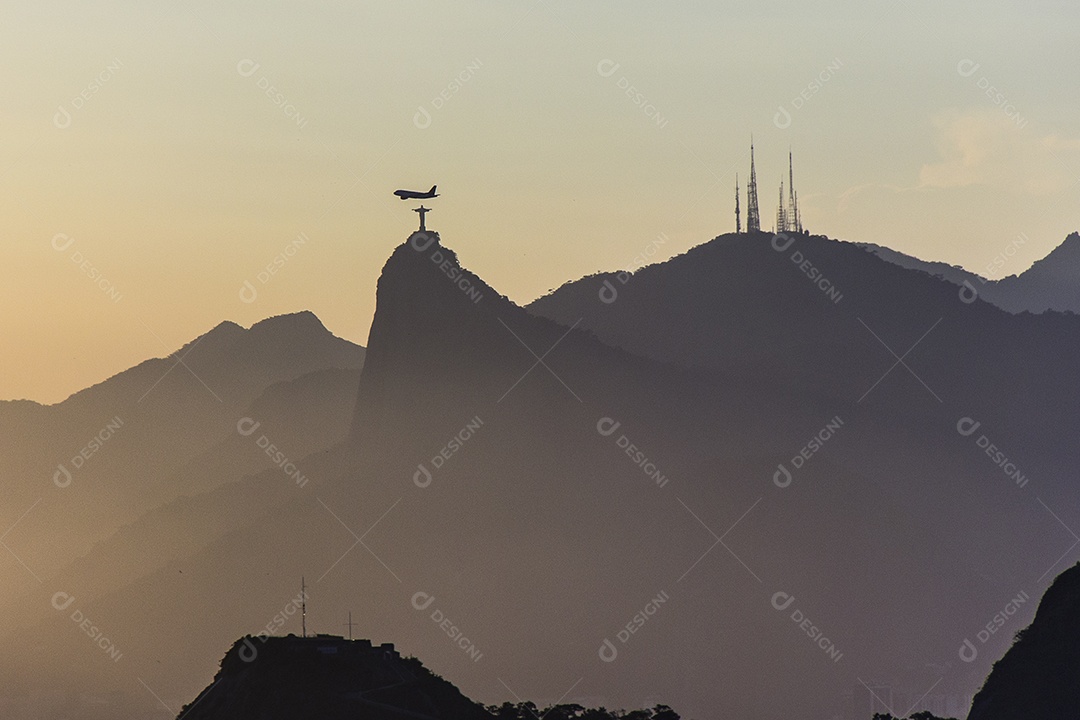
331 678
328 677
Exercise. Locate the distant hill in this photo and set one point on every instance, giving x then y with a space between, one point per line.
109 453
1052 283
163 484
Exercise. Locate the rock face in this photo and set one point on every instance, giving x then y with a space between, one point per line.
1039 677
326 677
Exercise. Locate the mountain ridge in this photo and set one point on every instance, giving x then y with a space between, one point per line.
1050 284
103 456
535 495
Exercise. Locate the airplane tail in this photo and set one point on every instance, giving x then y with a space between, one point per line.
432 190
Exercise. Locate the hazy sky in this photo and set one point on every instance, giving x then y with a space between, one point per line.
155 156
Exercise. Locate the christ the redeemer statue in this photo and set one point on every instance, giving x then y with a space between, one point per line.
423 211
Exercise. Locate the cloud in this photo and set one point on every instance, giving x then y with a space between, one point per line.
1057 143
986 147
844 200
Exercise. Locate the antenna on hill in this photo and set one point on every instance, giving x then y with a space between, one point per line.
753 215
349 624
793 217
781 214
738 222
303 607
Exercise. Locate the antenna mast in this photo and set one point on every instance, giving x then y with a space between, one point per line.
738 219
792 212
303 606
753 217
781 216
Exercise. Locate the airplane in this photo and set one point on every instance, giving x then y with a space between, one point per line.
416 195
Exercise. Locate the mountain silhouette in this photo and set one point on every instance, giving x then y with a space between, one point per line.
489 468
1052 283
327 677
331 678
1049 284
739 306
111 452
137 503
1039 676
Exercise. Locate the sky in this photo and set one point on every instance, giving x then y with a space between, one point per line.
166 166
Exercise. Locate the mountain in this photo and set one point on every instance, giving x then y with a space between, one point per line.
719 492
331 678
107 454
831 323
738 305
1039 676
140 501
326 677
1052 283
